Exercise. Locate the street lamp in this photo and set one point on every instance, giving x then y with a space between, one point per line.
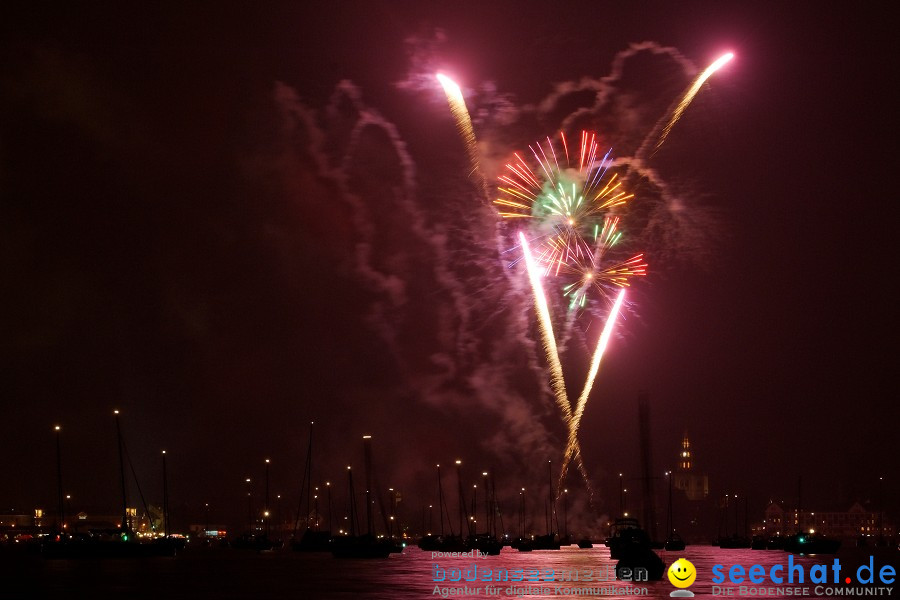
462 501
165 514
266 507
249 507
61 509
328 487
522 511
487 505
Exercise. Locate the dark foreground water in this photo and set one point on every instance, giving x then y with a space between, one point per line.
224 573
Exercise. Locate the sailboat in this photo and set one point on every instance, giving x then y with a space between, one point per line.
313 539
674 543
358 546
119 543
487 542
550 541
808 543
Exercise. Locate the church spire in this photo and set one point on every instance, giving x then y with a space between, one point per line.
684 461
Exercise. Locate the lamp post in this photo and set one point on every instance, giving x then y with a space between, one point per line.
462 501
487 505
669 523
279 524
522 511
61 511
566 514
621 494
390 513
328 487
316 507
165 514
474 505
266 507
249 508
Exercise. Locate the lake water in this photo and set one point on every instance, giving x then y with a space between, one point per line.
225 573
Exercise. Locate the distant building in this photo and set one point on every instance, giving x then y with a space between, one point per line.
855 522
691 505
14 523
694 485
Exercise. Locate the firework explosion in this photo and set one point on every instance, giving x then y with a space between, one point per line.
572 200
569 202
569 205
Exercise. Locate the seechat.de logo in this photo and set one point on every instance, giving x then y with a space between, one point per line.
682 574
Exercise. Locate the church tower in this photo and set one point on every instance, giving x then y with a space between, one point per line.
694 485
684 461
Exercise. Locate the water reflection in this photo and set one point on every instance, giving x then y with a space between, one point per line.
299 576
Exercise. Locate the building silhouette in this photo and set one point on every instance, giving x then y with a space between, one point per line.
856 522
686 479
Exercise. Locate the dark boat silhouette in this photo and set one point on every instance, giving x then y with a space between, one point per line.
674 543
633 551
585 543
258 543
808 543
358 546
550 540
361 546
117 542
523 544
429 542
313 538
776 542
312 541
802 543
366 545
486 543
617 532
734 541
758 542
443 542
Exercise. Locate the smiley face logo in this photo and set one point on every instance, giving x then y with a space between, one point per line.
682 573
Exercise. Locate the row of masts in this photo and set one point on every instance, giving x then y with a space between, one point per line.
467 522
123 458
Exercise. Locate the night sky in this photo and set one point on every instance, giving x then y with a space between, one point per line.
229 221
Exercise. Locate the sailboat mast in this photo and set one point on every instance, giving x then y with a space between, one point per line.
309 470
550 498
165 514
122 472
367 452
669 517
441 503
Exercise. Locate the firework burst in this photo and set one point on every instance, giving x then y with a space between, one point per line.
569 199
